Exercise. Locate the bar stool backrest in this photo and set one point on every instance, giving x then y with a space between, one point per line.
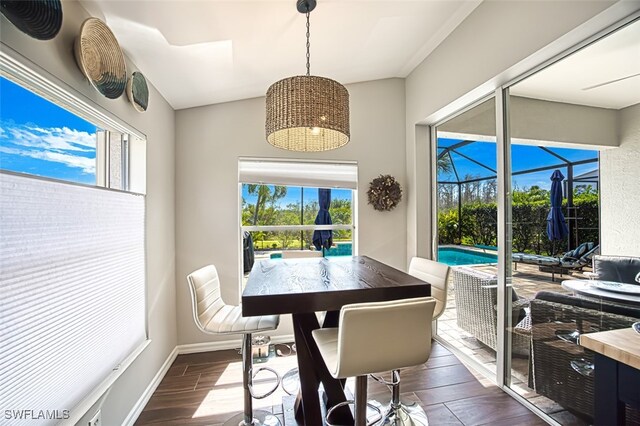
206 301
436 274
383 336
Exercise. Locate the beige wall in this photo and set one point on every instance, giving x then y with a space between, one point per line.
209 141
157 123
497 42
544 122
620 189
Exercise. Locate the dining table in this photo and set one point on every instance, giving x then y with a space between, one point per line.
302 287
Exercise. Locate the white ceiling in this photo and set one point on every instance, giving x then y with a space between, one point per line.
604 74
204 52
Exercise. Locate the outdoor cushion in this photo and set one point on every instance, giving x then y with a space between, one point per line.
621 269
578 252
584 260
578 257
536 259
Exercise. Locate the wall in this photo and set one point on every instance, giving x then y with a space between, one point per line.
540 121
620 193
499 41
56 57
209 141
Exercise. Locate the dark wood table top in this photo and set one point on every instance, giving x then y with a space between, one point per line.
289 286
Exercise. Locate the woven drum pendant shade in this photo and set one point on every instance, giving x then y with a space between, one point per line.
307 113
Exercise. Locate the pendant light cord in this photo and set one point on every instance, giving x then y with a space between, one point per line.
308 45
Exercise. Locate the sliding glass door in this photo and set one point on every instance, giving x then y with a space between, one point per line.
467 231
531 187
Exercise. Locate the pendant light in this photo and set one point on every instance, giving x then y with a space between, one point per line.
305 112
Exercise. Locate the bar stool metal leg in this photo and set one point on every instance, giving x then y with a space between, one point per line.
249 416
401 414
361 401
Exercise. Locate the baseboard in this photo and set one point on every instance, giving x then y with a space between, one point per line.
148 392
192 348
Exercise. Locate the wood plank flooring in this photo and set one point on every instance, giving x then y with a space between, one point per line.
206 389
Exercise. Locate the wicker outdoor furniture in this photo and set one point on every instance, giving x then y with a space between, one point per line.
563 370
476 301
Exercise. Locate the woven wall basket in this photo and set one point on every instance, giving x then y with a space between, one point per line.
40 19
138 91
100 58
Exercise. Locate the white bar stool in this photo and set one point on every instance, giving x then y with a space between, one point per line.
404 326
398 413
213 316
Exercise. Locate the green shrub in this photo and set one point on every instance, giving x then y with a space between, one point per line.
448 227
529 223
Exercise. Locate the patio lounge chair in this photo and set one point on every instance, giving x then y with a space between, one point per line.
573 260
562 369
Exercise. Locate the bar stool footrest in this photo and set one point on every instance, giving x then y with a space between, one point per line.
270 391
349 402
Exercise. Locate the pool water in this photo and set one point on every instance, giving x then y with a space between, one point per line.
459 256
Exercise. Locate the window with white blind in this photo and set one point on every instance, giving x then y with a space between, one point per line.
72 250
282 201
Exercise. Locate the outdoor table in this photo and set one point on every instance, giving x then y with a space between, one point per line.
587 288
302 287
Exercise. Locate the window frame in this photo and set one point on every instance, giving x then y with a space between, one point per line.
24 73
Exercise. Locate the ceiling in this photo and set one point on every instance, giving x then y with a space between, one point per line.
204 52
604 74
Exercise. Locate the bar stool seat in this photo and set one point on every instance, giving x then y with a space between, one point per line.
213 316
404 327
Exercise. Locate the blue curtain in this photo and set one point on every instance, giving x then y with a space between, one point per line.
323 239
556 225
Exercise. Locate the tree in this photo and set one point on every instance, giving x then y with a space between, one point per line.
444 164
265 196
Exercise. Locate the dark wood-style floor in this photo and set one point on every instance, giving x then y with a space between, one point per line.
205 389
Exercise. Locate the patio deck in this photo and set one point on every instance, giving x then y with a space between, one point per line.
527 281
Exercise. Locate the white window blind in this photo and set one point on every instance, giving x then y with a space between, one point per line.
72 292
297 173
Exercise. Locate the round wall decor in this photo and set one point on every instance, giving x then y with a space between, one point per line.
138 91
40 19
384 193
100 58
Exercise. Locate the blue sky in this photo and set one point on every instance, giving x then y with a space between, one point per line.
523 157
41 138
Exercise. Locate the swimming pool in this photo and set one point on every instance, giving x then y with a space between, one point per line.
460 256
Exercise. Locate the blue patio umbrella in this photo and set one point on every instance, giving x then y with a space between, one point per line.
556 225
323 239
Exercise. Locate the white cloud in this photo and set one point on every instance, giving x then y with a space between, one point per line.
58 145
54 138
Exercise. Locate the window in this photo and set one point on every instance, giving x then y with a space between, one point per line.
280 216
40 138
72 270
